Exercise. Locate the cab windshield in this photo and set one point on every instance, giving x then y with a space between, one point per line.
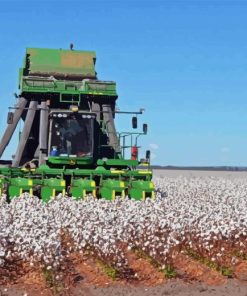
71 135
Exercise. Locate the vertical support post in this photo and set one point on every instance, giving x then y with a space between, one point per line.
123 147
25 133
43 132
96 109
36 153
12 126
110 126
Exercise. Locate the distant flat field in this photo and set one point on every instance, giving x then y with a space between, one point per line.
198 173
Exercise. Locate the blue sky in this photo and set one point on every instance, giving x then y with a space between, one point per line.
185 62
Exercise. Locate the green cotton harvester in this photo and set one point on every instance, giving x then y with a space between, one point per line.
69 144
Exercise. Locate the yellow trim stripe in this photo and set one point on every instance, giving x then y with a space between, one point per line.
53 193
117 172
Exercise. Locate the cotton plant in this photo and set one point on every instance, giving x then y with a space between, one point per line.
205 215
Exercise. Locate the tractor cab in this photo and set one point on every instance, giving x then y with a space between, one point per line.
71 136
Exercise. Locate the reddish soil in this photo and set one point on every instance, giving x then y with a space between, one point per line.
82 275
88 271
194 270
32 283
240 271
144 272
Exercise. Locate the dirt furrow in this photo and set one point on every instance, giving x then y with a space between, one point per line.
144 272
88 271
240 271
191 269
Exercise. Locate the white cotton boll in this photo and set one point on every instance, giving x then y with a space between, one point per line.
192 212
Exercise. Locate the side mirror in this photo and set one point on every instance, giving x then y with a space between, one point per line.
148 155
145 128
10 117
134 122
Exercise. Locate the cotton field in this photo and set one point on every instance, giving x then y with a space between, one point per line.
204 218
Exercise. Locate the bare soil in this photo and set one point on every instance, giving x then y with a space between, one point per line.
144 272
194 270
85 276
173 287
